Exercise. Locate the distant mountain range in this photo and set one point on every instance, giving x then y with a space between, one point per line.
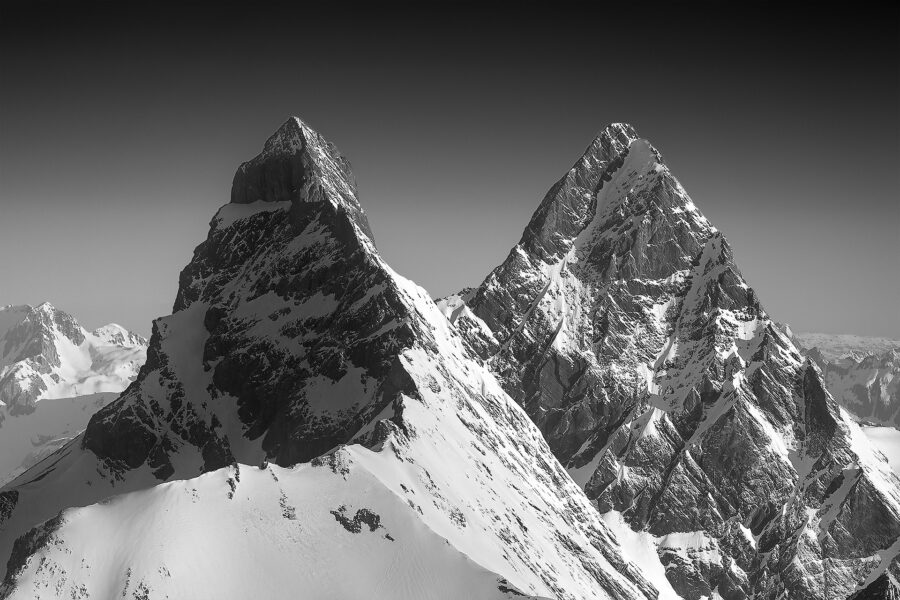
54 375
834 347
611 413
862 373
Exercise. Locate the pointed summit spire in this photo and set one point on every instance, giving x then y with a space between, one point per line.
298 164
571 204
290 138
610 143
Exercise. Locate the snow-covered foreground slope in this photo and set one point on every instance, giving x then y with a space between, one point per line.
622 324
408 471
215 536
27 438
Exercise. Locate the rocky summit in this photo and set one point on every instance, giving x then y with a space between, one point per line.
307 420
623 326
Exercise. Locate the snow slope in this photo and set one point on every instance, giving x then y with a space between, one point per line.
213 536
887 441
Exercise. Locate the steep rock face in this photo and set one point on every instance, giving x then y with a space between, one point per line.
293 320
863 374
292 340
622 325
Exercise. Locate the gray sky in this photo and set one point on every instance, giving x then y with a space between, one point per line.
120 132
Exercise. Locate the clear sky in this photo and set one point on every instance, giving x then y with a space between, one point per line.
121 128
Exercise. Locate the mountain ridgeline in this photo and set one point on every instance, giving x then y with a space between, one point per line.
310 422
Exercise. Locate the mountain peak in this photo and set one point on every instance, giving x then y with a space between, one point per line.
115 334
290 138
612 145
48 317
618 166
45 310
622 133
299 166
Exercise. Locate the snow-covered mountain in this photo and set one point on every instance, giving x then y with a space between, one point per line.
863 374
307 422
53 376
623 326
45 353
